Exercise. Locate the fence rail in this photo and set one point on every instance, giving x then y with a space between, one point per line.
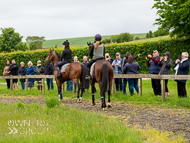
139 76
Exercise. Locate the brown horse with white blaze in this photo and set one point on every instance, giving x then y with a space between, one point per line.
74 71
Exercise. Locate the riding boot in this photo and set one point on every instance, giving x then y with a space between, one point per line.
58 72
88 76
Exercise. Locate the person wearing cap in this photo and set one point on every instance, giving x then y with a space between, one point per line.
22 72
39 70
182 68
124 61
117 70
165 64
14 72
108 58
67 55
152 62
97 52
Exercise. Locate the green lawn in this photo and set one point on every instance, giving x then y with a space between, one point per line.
80 41
60 124
147 95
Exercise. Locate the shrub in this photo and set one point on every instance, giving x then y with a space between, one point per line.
52 102
20 105
137 38
161 32
106 41
123 37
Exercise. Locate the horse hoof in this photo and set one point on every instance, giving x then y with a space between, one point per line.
109 105
60 99
104 109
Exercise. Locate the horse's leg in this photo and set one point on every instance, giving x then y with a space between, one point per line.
77 85
92 88
81 87
59 89
109 93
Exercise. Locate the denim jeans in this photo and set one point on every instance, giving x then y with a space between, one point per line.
133 83
61 63
22 85
118 82
124 85
49 82
70 85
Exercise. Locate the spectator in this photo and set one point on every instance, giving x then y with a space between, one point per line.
30 71
124 61
86 82
39 70
117 70
75 88
49 71
7 73
182 68
166 64
108 58
132 67
22 71
154 69
14 72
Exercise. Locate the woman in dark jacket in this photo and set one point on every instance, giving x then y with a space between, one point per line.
39 70
132 68
166 64
30 71
182 68
22 71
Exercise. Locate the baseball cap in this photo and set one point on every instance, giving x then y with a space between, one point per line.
155 51
117 53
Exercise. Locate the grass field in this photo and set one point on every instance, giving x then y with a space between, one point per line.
80 41
147 95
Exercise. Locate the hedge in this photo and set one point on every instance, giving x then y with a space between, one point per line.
174 46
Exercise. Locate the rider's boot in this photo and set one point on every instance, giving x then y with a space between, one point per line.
88 76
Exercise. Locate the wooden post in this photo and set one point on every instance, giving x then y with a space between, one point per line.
26 86
62 88
140 87
43 86
11 84
113 86
163 89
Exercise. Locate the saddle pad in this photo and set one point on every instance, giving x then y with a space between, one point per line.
63 68
92 68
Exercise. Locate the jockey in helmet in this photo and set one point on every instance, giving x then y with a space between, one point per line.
67 55
97 52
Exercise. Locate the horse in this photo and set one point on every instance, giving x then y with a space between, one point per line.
103 75
74 71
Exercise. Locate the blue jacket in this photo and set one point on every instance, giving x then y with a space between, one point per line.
154 68
117 69
30 71
183 69
22 71
131 68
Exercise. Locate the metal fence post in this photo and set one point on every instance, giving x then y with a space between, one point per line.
140 87
163 89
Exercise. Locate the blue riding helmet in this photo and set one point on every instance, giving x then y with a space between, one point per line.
98 37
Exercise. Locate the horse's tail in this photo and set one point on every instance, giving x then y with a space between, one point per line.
84 72
105 78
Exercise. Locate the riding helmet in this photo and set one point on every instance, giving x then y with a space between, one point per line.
98 37
66 43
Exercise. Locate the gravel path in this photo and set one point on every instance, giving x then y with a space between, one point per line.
160 118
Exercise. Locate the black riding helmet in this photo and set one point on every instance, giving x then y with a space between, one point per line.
66 43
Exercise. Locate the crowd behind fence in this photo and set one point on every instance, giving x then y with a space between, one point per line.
139 76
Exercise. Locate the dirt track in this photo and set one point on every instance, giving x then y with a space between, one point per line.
160 118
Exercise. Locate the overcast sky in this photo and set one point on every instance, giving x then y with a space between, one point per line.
57 19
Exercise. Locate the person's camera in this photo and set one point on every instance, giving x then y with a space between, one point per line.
147 56
178 57
107 56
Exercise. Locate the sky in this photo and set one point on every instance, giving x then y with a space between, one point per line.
58 19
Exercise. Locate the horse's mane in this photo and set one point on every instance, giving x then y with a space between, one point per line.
58 55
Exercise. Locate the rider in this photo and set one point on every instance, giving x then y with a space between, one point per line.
97 52
67 55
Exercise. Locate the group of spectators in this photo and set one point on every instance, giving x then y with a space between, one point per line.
157 65
14 70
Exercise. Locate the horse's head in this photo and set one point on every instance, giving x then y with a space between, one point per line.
50 56
90 44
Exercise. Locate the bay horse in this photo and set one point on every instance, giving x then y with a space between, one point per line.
103 75
74 71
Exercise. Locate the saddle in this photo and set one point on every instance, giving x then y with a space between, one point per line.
92 68
63 68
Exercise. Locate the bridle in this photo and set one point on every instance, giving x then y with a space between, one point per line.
48 60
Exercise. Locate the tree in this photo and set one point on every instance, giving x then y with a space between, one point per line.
150 34
161 32
174 15
11 41
147 35
35 42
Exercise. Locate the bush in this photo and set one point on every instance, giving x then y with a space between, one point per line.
20 105
52 102
161 32
123 37
137 38
106 41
